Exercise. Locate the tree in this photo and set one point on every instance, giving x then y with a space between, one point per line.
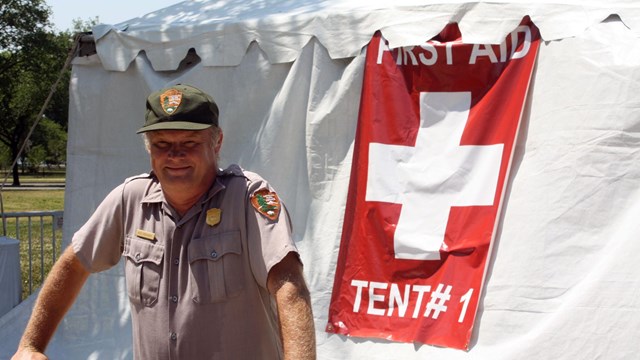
31 57
51 137
20 21
5 162
84 26
36 156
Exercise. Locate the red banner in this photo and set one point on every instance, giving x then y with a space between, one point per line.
433 146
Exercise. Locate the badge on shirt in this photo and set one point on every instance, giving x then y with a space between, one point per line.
213 216
267 203
148 235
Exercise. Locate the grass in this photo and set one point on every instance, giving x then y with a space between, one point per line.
48 176
41 247
39 179
33 200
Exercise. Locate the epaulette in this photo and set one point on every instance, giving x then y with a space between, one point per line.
232 170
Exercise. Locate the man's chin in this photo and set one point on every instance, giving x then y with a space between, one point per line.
176 180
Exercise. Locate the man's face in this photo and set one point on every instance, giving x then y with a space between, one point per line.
185 162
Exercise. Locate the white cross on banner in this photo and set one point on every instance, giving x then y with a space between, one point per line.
434 143
414 175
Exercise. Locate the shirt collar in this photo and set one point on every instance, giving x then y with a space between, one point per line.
154 191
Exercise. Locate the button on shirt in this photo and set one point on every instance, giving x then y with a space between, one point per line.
204 285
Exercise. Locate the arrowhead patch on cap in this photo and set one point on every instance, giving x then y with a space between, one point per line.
267 203
170 100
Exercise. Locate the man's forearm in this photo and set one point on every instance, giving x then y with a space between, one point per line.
297 330
56 297
296 322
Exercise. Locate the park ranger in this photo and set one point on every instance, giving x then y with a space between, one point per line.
211 269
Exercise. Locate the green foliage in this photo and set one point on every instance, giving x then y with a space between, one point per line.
51 137
31 57
20 22
35 157
5 157
80 25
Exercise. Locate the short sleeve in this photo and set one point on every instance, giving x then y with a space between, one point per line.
270 240
98 243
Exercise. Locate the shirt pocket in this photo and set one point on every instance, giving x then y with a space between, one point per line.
143 270
216 267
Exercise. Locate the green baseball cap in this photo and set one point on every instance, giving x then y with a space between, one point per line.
180 107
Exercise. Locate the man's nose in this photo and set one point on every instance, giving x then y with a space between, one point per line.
176 150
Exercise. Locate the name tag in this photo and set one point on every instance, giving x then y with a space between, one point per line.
145 234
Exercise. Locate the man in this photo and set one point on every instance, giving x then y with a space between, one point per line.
208 253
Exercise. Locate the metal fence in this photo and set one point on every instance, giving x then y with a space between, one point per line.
40 236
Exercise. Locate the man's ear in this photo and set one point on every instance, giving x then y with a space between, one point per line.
218 144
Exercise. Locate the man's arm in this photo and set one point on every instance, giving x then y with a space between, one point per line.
286 283
56 297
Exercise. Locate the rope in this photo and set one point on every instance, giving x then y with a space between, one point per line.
67 63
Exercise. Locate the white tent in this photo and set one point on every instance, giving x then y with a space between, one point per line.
287 76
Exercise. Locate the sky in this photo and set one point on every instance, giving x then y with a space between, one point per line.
108 12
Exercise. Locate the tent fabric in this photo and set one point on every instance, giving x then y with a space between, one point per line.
561 282
221 32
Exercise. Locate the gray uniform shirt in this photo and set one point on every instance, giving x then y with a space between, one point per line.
197 291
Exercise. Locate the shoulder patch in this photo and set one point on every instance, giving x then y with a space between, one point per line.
267 203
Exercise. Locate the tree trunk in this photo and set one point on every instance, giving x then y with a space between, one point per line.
16 175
